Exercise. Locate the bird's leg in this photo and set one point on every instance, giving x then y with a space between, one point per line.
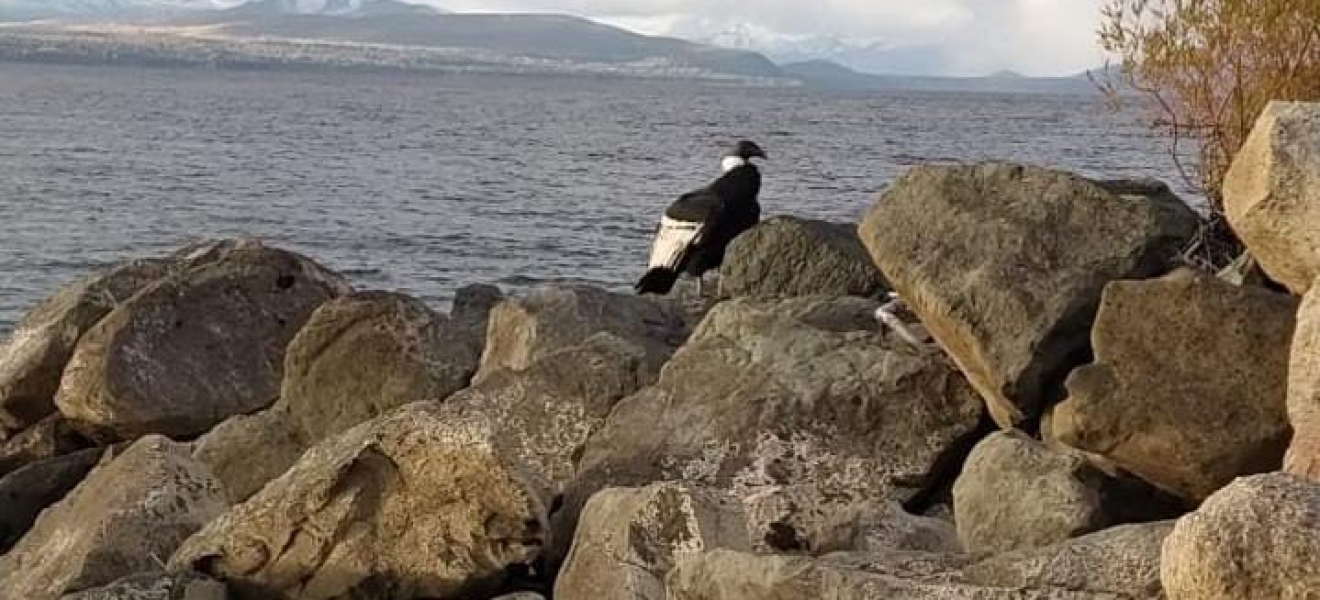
701 288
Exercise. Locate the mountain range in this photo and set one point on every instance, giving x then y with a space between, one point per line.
394 33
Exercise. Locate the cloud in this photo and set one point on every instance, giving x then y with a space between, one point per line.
976 36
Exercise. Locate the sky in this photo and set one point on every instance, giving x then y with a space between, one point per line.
975 37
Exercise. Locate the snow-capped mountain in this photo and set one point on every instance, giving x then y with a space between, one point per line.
864 55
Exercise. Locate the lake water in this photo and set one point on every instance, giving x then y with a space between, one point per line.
424 183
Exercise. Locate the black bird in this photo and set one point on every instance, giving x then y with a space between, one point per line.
697 227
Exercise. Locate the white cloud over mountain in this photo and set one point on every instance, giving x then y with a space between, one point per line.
970 37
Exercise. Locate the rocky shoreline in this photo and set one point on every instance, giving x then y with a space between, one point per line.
1086 418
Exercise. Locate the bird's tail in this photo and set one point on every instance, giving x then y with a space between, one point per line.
657 281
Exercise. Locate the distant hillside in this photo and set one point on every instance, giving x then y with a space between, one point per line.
826 74
27 10
267 9
553 37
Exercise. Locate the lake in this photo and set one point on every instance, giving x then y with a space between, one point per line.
425 182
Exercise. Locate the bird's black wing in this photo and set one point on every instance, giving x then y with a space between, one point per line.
685 223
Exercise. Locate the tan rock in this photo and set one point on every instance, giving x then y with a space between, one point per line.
247 451
894 529
728 575
1188 387
33 360
197 347
1303 456
551 318
1123 560
1005 264
365 354
1015 493
548 411
1257 539
1272 193
157 586
629 538
127 516
416 503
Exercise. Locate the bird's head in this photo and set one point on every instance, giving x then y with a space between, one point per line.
747 150
741 153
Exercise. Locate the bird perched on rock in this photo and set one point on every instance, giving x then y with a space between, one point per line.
696 228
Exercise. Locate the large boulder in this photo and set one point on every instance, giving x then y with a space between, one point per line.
1189 382
247 451
894 529
629 538
1122 560
1303 456
801 408
365 354
551 318
33 361
730 575
1005 264
129 514
197 347
1272 193
1016 493
50 437
416 503
789 256
29 490
548 411
359 356
1256 539
471 311
184 585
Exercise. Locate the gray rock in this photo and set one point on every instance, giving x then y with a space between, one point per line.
1015 493
550 319
629 538
29 490
416 503
471 311
126 517
1122 560
789 256
48 438
185 585
547 412
1189 382
33 360
1256 539
1005 265
1272 193
197 347
800 408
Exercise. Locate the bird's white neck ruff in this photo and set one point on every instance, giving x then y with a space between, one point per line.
732 162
